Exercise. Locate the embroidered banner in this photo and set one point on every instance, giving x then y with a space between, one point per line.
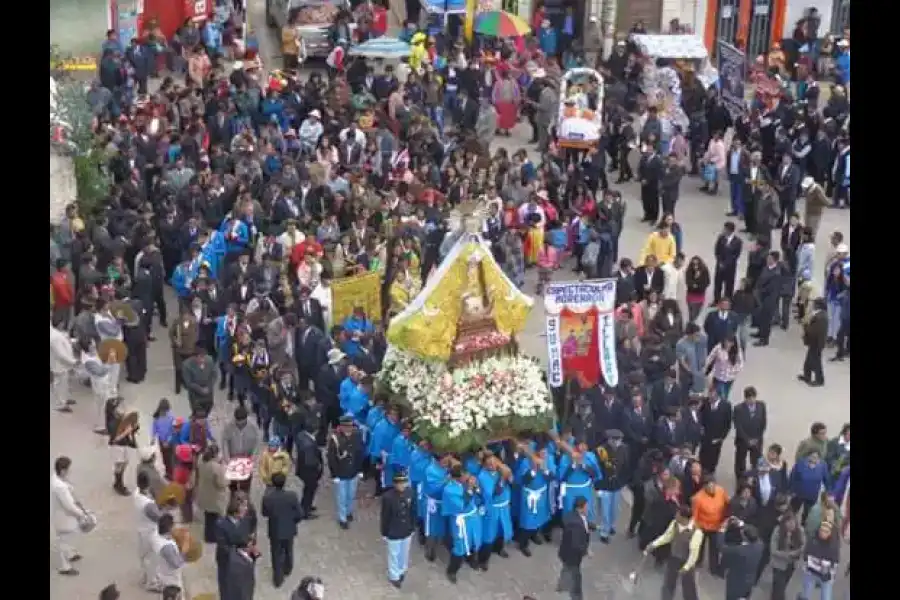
360 290
581 334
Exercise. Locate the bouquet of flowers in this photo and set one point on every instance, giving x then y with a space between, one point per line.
467 407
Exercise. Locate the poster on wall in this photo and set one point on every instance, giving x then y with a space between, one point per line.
581 332
732 75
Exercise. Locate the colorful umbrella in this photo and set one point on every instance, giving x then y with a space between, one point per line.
499 23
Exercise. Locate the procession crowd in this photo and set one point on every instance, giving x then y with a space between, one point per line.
249 196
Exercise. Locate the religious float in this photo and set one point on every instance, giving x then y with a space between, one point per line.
666 60
579 126
453 360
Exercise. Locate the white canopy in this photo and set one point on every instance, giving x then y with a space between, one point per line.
671 46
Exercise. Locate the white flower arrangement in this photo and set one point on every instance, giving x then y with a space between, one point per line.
469 398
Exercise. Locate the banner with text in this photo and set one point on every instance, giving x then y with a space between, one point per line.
359 290
581 332
732 75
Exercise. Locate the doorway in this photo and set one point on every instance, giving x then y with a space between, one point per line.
759 31
727 21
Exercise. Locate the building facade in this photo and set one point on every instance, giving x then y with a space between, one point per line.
756 24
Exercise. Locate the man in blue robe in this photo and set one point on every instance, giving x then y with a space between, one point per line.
460 507
212 250
576 479
419 460
436 477
237 237
355 327
399 456
497 524
380 444
534 478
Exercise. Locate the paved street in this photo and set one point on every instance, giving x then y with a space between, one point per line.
352 563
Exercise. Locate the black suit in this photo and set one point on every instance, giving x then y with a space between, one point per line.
282 509
642 278
328 383
668 437
790 244
728 253
787 186
716 427
308 352
691 427
466 116
749 426
241 579
576 538
650 172
311 310
229 535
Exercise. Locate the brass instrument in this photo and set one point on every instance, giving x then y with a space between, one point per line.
112 351
189 546
172 493
124 311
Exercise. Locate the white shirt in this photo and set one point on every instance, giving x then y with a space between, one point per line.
323 295
672 281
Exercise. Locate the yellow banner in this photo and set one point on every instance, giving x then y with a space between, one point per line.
359 290
471 8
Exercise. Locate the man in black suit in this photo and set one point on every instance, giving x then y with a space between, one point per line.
815 333
310 309
720 324
241 267
649 277
576 538
231 532
282 508
691 424
787 185
749 429
637 426
309 352
650 174
791 238
716 419
767 291
665 394
467 111
608 412
667 435
728 252
328 383
625 288
241 578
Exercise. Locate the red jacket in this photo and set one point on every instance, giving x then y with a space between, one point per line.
63 290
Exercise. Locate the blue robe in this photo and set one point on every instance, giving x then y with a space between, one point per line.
213 253
419 460
380 443
436 478
182 278
459 506
535 504
237 235
354 402
399 458
351 324
223 340
471 465
368 422
496 497
577 481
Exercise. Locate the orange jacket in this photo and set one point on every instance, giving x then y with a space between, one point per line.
710 511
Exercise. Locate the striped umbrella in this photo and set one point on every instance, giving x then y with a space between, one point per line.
501 24
382 47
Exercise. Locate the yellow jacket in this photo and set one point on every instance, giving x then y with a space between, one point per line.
274 462
399 297
663 248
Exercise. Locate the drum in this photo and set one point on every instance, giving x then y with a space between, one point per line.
239 469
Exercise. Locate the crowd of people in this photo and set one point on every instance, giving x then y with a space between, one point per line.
249 196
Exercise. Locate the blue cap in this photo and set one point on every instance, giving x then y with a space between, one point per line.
274 442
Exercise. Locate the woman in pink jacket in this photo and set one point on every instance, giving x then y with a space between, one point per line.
713 163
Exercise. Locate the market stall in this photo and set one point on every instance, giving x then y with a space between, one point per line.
433 17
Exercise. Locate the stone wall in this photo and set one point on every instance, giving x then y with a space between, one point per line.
62 184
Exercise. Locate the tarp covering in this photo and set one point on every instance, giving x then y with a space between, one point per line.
450 7
671 46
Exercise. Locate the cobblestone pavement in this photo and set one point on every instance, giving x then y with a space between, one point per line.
353 562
